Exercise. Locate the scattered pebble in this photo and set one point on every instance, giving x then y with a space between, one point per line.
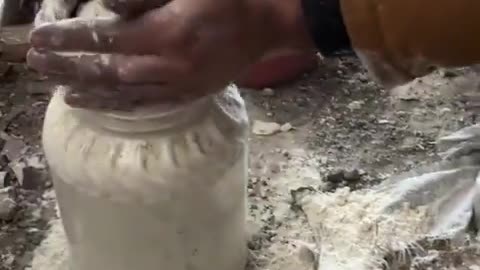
355 105
268 92
265 128
14 148
3 178
7 205
286 127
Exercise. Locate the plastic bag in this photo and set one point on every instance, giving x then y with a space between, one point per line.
361 229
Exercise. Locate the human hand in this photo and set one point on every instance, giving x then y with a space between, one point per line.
173 53
54 10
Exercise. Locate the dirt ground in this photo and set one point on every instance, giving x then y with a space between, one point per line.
335 128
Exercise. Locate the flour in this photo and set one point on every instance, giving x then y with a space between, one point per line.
355 227
357 230
52 254
55 10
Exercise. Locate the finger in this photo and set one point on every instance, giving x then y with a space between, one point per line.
133 8
95 101
103 35
101 97
113 69
181 92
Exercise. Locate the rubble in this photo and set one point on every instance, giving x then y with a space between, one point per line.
7 205
268 92
262 128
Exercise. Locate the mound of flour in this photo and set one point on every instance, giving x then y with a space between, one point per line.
357 230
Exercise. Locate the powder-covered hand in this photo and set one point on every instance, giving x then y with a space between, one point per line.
163 52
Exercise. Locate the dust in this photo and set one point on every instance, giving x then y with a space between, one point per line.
355 231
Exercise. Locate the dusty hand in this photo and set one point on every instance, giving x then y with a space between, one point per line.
54 10
175 53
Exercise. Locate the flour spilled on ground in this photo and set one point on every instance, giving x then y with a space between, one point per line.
340 230
363 229
52 254
354 231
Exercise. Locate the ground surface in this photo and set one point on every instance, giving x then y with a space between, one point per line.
341 129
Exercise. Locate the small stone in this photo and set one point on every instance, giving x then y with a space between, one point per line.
353 175
3 178
450 74
384 121
34 179
14 148
7 205
336 177
286 127
268 92
355 105
36 162
265 128
275 168
306 254
445 110
29 177
17 168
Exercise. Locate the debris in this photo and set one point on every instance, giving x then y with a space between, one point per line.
262 128
353 175
297 195
3 178
5 69
33 178
343 178
392 218
343 175
336 177
39 87
29 177
268 92
286 127
14 149
9 117
17 168
450 74
355 105
7 205
265 128
385 121
36 161
306 253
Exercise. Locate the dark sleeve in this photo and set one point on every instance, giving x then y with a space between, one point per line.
326 26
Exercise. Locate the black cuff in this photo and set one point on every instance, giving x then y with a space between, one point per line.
325 24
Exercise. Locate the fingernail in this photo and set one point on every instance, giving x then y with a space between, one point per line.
45 37
36 60
38 37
